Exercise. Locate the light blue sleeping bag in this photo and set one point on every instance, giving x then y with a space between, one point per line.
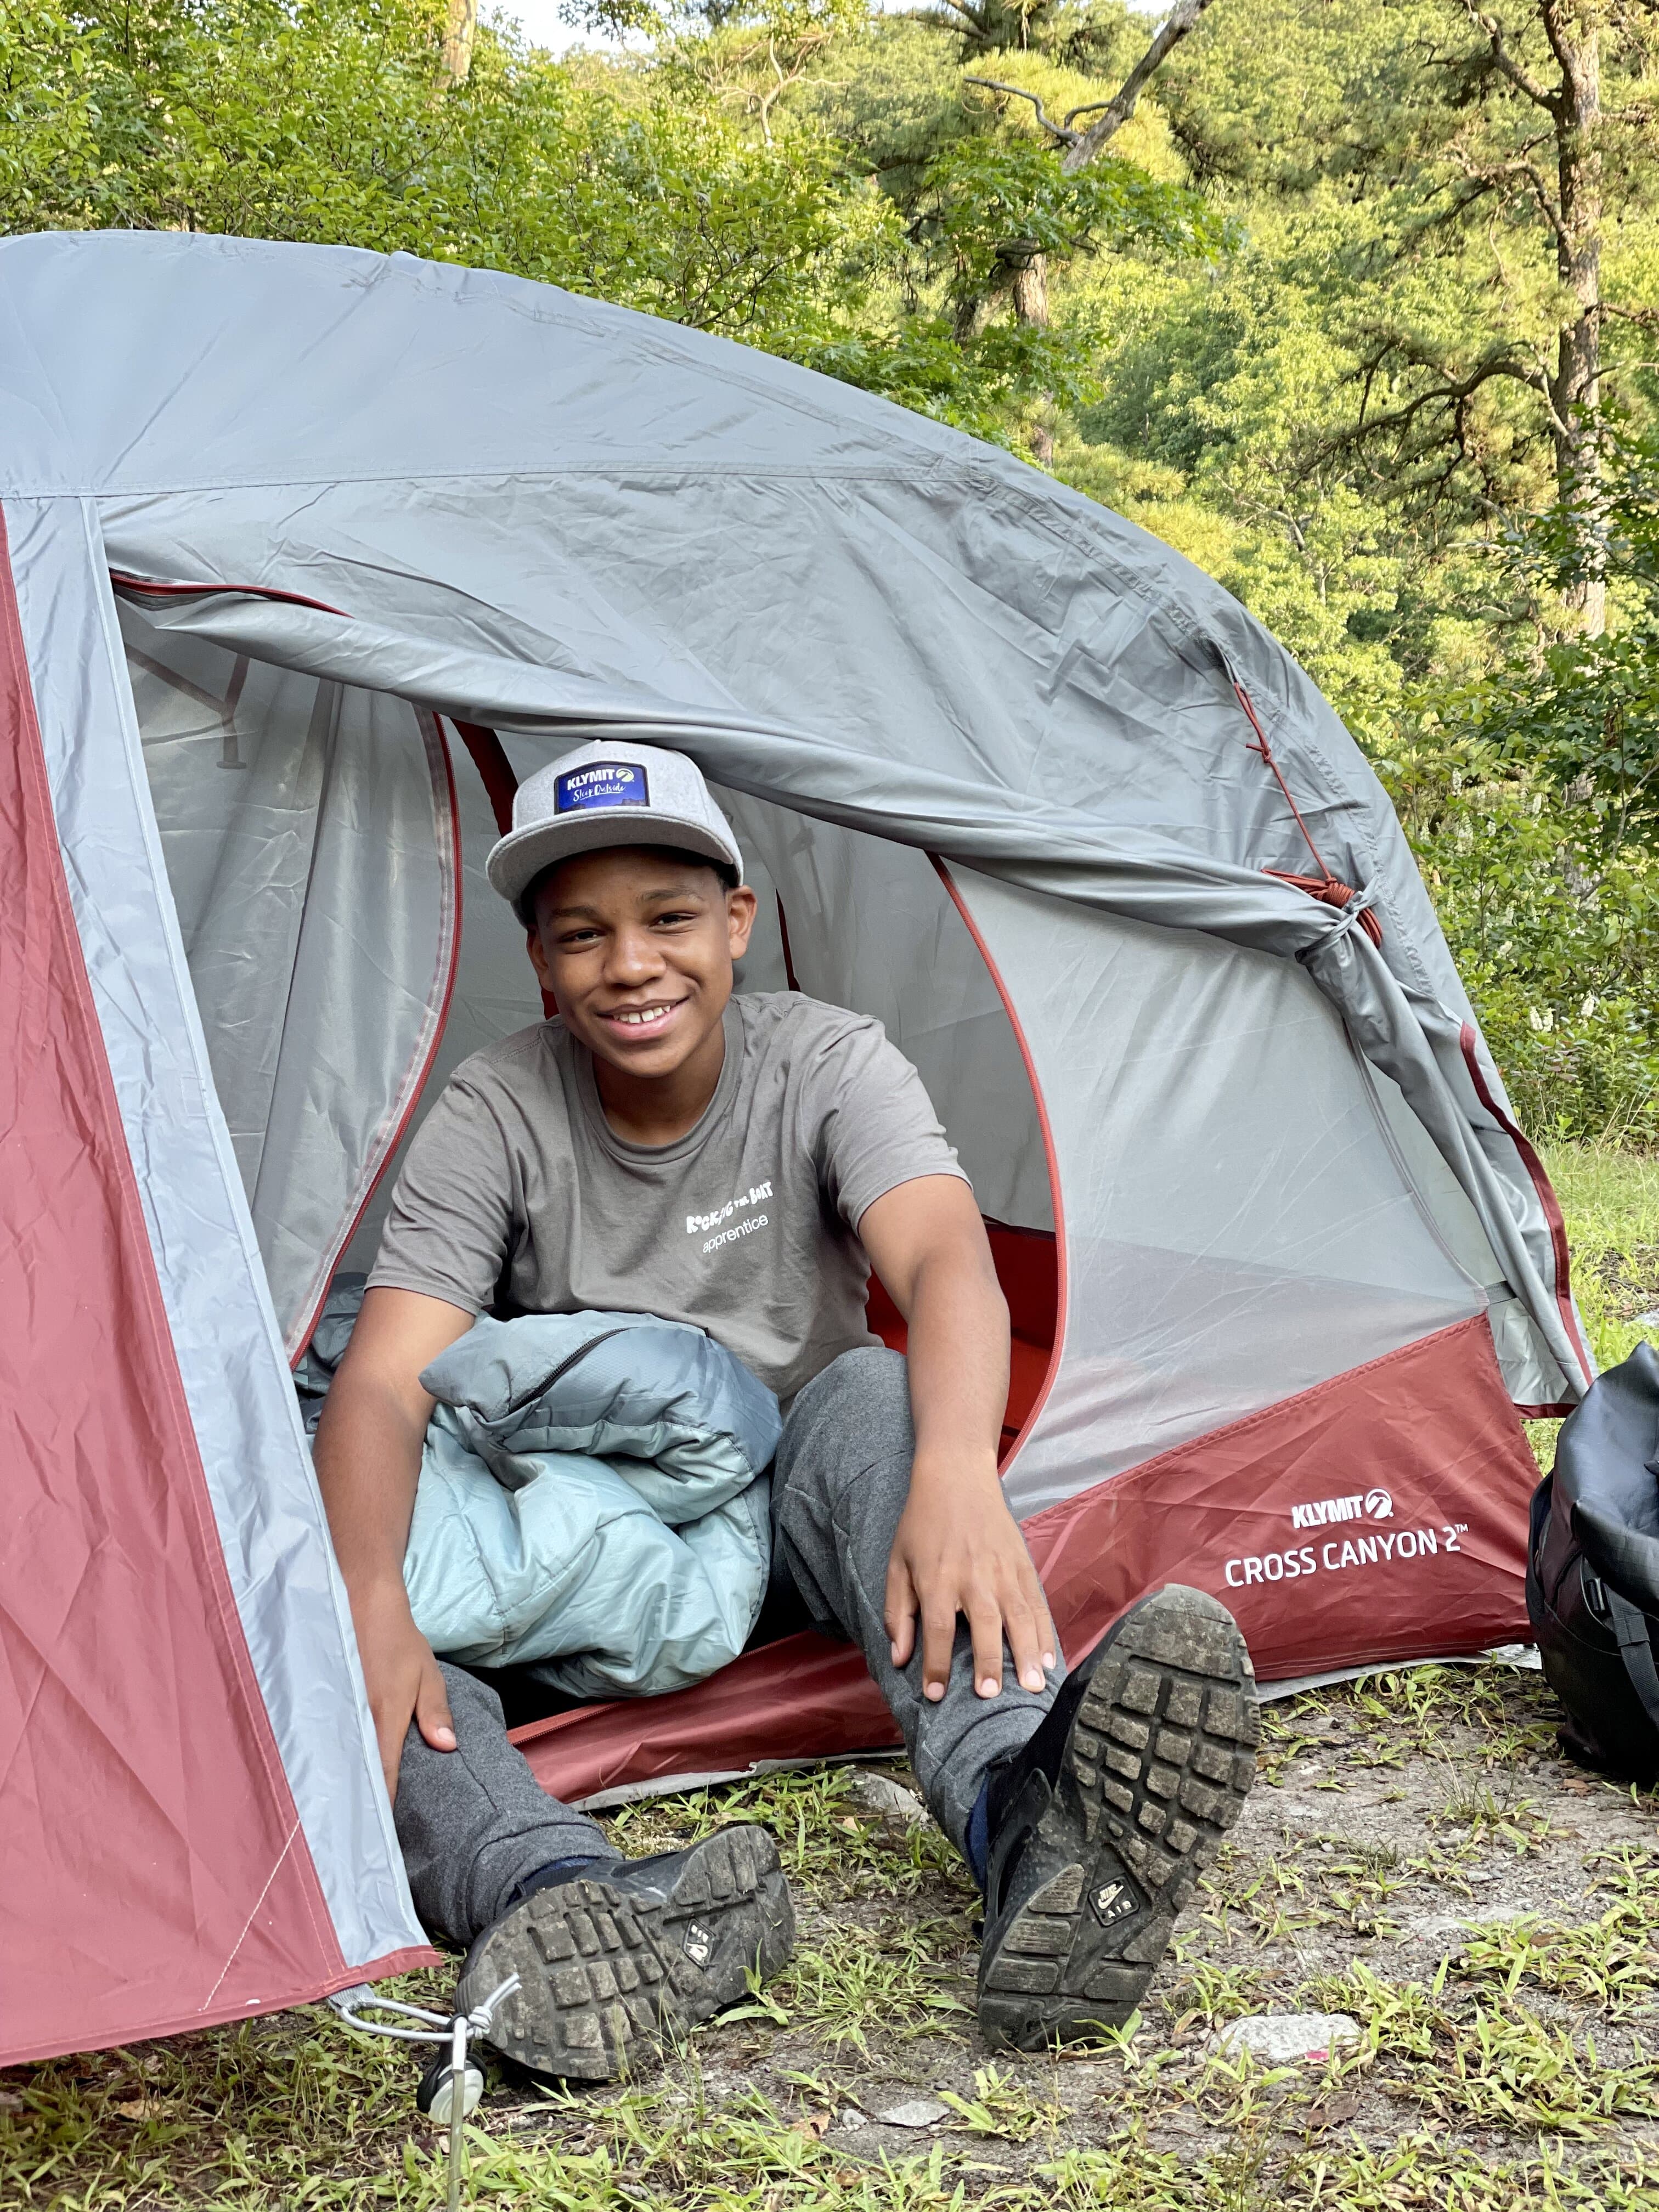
592 1503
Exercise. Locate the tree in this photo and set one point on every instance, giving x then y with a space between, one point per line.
1583 708
1494 154
1534 146
1021 260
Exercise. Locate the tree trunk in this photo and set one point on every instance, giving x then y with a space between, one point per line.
1575 387
460 23
968 319
1028 289
1028 293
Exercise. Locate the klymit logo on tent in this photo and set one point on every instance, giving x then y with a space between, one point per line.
1320 1512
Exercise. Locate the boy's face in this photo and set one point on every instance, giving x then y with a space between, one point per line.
636 947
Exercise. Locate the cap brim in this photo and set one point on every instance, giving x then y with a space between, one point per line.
520 856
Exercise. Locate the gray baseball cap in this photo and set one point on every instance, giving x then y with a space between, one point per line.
606 793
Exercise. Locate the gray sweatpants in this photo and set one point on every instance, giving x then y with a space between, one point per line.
474 1823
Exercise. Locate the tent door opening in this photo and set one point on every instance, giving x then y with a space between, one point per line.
326 849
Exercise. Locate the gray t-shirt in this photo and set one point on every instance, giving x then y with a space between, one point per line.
518 1195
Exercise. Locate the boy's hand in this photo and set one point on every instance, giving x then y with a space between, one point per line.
957 1549
402 1679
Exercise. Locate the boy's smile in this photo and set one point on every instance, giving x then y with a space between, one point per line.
642 1021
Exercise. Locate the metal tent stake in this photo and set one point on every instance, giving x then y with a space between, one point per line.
450 2087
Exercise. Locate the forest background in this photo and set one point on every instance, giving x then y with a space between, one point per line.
1354 302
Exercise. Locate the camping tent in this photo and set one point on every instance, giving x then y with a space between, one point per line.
308 556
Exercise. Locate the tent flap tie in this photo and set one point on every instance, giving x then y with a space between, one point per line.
1327 886
1332 891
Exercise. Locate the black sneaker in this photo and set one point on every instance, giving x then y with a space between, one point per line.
1100 1826
615 1963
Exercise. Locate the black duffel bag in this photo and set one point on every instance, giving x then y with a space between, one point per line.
1593 1572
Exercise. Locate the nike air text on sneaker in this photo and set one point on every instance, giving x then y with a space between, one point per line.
615 1964
1101 1825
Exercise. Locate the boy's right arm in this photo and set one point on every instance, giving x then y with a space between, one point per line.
368 1457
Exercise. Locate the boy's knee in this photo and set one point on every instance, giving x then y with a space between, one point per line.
870 1377
472 1703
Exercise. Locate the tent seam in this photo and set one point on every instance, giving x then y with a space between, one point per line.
398 1116
282 1860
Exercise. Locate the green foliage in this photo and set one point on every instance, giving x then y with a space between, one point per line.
1532 796
981 194
1583 710
321 121
1554 931
1586 714
1611 1200
976 385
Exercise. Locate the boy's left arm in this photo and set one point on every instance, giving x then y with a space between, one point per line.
957 1549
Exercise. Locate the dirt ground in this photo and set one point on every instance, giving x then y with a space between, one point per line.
1416 1856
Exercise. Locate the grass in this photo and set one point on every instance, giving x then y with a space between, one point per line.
1611 1202
1505 2062
827 1842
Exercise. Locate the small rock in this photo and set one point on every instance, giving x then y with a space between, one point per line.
1278 2038
880 1793
10 2101
852 2117
1444 1924
1334 2114
1649 1319
919 2112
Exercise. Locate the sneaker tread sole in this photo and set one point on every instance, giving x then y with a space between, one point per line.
1161 1756
608 1976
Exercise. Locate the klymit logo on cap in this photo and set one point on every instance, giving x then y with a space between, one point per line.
602 783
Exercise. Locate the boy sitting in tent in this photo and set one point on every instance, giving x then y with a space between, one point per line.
564 1170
